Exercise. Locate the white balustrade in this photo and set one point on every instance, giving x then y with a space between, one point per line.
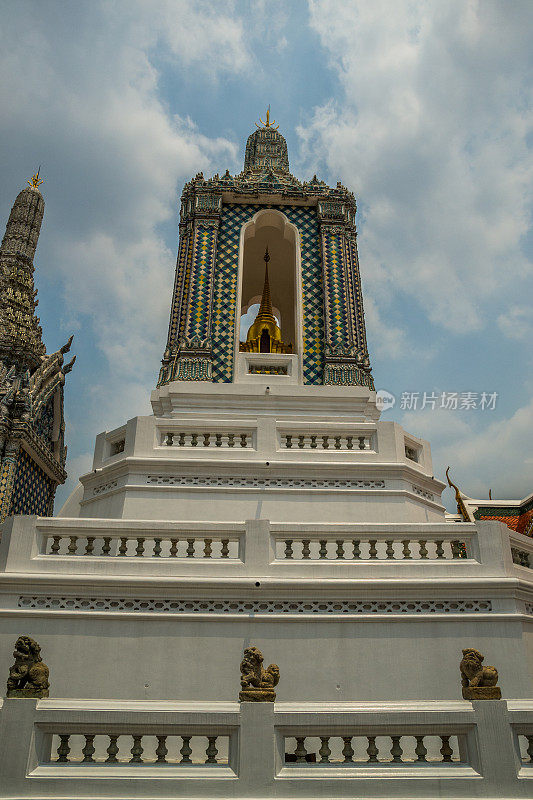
369 547
325 441
212 439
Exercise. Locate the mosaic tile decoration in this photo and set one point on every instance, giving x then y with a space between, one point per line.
6 484
359 321
175 311
32 487
225 289
337 325
205 243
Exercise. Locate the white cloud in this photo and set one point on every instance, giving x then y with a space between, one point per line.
431 132
496 455
516 323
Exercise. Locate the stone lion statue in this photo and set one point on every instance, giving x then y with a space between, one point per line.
28 677
478 682
257 683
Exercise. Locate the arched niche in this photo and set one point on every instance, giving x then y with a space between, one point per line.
271 228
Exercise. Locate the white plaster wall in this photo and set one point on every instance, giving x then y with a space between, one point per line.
323 661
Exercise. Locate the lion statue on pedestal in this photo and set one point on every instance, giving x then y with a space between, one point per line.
257 684
28 677
478 682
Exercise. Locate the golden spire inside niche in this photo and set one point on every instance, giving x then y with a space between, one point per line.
264 335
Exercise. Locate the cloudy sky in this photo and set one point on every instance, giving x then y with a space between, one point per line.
422 108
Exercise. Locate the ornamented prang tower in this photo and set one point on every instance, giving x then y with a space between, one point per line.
226 224
32 451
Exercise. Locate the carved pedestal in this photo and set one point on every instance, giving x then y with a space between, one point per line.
482 693
257 696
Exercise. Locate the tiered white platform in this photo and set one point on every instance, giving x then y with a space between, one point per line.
290 518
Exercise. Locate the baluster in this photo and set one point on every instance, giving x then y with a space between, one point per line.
231 440
301 442
459 549
136 751
169 441
194 439
420 749
337 440
356 548
423 549
161 750
190 548
89 749
372 750
244 440
306 552
349 442
373 553
288 548
123 549
529 750
157 547
440 550
362 445
340 548
288 441
207 548
55 545
106 547
90 546
224 553
207 437
312 442
211 751
396 750
300 751
112 751
186 750
173 548
218 440
323 552
73 545
390 549
446 750
347 750
139 550
405 551
181 440
64 748
325 443
324 751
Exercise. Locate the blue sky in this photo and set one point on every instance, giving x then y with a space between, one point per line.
422 108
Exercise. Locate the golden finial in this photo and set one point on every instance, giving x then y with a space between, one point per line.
267 124
461 508
35 182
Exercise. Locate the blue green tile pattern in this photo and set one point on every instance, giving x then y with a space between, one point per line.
177 301
359 335
32 488
205 242
336 306
225 288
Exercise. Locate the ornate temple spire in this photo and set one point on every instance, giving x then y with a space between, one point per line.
32 447
266 150
20 334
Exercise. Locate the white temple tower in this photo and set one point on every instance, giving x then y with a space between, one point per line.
264 503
